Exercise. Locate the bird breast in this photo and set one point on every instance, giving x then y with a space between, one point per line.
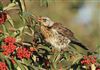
54 38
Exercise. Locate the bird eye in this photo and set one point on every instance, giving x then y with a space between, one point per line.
44 20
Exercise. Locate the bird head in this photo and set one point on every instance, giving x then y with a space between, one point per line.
46 21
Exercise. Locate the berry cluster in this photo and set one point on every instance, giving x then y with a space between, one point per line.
89 60
3 17
3 66
9 47
9 39
23 53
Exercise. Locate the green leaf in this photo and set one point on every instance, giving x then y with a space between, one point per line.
45 47
15 66
4 29
1 56
10 6
55 56
26 61
8 63
34 58
21 5
21 66
98 49
10 21
1 6
0 41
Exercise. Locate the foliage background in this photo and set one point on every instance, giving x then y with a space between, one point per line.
67 13
81 16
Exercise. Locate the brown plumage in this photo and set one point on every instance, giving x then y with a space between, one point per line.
57 35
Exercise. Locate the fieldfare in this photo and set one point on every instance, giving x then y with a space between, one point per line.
57 35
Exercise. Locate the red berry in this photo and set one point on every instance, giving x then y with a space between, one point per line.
9 40
91 57
3 66
88 62
23 53
82 62
93 61
94 57
97 68
8 49
85 57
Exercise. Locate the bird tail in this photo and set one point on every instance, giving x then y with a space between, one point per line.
79 44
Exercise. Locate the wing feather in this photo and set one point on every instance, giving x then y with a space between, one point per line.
63 30
69 34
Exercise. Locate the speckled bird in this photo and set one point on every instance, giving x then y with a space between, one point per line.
57 35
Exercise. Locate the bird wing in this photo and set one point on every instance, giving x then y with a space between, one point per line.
63 30
69 34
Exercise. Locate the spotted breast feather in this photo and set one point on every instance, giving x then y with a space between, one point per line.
54 38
